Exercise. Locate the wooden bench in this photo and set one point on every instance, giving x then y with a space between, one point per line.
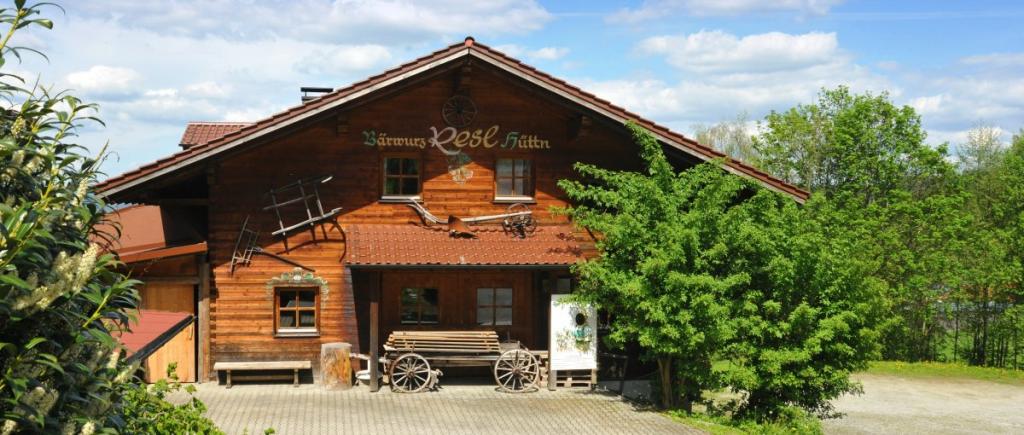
294 366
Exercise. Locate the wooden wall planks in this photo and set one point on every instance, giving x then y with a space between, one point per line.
241 308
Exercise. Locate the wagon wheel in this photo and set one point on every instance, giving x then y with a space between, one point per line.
516 371
520 225
410 373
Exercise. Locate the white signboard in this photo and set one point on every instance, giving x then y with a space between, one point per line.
573 339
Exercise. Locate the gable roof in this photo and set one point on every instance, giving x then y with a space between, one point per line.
201 132
469 48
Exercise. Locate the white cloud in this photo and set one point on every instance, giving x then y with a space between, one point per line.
995 59
344 21
719 75
332 60
543 53
654 9
720 52
104 81
928 104
208 89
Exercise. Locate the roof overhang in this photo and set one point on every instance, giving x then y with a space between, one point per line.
594 104
284 125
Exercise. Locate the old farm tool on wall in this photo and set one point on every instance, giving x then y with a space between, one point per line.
458 228
518 220
247 245
301 192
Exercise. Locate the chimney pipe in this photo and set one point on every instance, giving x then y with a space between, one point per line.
312 92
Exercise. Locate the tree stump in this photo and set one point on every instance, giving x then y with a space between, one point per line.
336 366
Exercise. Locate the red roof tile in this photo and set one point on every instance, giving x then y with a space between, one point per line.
149 327
200 133
416 245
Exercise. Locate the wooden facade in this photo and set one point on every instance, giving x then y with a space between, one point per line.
237 317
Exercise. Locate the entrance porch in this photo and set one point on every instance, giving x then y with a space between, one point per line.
416 278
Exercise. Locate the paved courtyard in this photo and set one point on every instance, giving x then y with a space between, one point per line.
455 409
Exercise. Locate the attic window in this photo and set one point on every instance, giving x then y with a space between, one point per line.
513 180
401 177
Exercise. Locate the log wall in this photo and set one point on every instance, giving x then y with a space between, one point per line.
241 315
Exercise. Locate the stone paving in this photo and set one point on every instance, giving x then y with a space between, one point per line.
455 409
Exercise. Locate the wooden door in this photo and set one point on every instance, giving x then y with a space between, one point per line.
182 348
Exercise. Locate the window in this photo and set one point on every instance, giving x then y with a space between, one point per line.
513 179
419 306
493 306
401 176
296 310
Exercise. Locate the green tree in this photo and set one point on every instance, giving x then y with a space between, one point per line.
703 265
654 268
730 137
856 146
62 300
869 158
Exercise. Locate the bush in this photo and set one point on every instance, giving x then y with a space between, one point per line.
62 300
146 410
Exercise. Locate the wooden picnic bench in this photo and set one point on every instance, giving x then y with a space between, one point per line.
294 366
407 356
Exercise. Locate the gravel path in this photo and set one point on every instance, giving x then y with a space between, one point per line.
897 405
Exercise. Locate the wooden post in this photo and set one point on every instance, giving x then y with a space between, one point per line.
374 335
204 319
552 375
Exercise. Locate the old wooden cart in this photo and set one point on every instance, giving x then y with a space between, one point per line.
408 356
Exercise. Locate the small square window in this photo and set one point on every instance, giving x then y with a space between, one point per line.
401 176
297 310
494 306
419 306
513 178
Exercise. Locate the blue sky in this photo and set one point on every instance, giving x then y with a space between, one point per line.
154 65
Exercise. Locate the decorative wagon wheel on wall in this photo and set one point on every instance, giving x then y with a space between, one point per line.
521 225
516 371
458 111
410 373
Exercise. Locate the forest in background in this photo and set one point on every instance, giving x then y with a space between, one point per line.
941 224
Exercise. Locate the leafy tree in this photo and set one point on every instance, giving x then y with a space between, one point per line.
703 265
62 300
869 158
861 146
654 268
730 137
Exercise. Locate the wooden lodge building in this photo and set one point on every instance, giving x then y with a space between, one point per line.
329 221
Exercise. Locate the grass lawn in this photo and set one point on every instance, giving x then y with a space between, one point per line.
946 370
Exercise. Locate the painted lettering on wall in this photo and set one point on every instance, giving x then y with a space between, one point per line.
451 142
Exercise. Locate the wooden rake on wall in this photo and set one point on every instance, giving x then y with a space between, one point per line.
247 245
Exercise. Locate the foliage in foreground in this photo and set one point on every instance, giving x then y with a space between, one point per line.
946 232
791 421
146 409
62 301
704 265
